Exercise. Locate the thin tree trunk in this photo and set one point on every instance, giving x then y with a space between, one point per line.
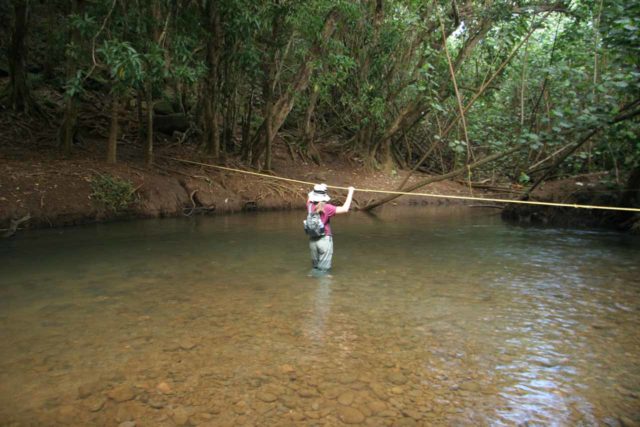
246 127
471 43
309 127
71 110
229 119
214 48
269 135
68 127
532 119
455 87
449 175
417 165
112 143
523 84
496 73
481 90
149 133
631 196
596 47
413 113
19 95
283 106
157 37
270 73
140 94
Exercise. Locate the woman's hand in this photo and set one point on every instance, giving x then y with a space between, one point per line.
347 204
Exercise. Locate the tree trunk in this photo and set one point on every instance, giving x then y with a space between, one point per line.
309 127
140 95
449 175
283 106
269 135
246 127
631 196
113 130
228 123
309 130
19 95
212 93
148 152
386 158
457 92
68 127
413 112
523 84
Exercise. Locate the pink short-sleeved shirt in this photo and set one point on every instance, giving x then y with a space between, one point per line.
325 216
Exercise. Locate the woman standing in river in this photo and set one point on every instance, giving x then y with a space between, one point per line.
321 241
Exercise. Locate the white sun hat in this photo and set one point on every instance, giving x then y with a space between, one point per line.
319 193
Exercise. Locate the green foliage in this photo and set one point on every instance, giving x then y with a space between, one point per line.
186 66
73 87
111 192
621 29
381 68
124 62
457 146
85 24
586 74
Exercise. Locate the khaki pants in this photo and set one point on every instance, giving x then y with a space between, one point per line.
321 253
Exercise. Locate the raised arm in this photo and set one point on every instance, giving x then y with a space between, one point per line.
347 203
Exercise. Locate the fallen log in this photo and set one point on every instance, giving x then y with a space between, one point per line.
15 223
449 175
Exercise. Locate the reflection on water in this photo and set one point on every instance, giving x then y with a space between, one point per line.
431 317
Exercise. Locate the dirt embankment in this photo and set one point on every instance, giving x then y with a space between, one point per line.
35 183
54 192
592 189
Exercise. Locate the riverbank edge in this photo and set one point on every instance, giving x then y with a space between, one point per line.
59 193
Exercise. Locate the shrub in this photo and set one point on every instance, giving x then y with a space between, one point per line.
114 193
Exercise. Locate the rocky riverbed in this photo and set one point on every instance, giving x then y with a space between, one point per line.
214 322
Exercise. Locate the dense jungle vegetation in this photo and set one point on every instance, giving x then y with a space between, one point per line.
521 89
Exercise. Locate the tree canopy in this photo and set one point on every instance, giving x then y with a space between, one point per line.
394 83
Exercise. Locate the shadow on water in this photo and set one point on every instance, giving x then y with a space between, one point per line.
435 316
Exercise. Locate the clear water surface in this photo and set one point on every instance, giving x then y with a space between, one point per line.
438 316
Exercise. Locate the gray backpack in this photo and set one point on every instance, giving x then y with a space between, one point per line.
313 225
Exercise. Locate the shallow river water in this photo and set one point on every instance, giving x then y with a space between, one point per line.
439 316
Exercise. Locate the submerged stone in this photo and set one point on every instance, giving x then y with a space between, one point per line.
397 378
350 415
180 416
95 403
121 393
163 387
266 396
346 398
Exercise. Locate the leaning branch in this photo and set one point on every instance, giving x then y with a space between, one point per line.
624 115
93 42
455 87
479 93
486 84
15 224
449 175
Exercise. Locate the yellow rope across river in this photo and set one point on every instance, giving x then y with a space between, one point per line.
403 193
